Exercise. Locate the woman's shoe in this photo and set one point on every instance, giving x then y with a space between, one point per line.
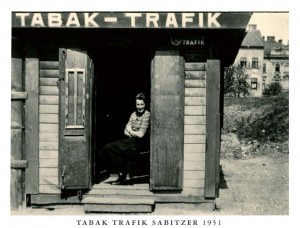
128 180
121 179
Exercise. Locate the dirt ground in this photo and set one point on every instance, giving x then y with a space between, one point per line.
251 186
255 186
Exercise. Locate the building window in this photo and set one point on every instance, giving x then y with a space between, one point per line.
286 68
277 67
264 68
254 63
243 62
253 83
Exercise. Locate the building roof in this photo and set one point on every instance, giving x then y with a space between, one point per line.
253 39
270 44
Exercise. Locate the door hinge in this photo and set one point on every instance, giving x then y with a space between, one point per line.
91 69
64 53
79 194
60 79
63 177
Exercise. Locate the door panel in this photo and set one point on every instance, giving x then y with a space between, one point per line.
167 121
213 135
75 127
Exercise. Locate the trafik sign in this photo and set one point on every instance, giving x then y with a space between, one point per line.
195 20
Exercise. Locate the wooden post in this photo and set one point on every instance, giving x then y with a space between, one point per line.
212 128
32 119
17 196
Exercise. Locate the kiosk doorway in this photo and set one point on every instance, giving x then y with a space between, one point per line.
119 74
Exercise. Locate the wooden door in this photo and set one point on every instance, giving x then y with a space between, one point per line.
76 73
213 133
167 100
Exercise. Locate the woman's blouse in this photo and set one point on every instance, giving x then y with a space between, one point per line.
139 123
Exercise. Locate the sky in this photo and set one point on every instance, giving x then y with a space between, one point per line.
272 24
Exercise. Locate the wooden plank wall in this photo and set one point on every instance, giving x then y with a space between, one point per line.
194 129
48 127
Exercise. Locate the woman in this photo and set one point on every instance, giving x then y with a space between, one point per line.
136 131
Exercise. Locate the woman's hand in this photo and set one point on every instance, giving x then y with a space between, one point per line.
136 134
127 133
130 133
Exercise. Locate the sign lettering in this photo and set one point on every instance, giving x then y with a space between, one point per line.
193 20
200 41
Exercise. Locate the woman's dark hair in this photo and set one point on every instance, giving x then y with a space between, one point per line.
141 96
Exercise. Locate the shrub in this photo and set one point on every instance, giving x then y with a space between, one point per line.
272 89
272 124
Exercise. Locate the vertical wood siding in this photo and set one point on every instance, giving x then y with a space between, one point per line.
194 129
48 127
166 137
213 142
17 196
31 119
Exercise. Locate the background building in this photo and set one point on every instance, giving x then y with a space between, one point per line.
276 63
266 61
251 56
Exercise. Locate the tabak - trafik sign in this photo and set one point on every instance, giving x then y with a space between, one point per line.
129 20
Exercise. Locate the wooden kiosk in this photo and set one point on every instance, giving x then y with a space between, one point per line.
74 77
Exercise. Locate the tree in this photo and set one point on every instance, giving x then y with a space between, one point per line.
236 81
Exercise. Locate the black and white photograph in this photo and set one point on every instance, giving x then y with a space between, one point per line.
150 117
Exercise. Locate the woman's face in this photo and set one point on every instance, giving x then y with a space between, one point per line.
140 105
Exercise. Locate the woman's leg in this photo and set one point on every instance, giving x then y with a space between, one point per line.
118 153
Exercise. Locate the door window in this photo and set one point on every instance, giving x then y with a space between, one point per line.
75 99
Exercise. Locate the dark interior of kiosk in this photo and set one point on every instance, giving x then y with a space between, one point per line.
119 76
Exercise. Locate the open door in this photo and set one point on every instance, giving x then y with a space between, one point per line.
167 103
76 77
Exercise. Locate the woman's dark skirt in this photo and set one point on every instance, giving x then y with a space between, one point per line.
117 153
